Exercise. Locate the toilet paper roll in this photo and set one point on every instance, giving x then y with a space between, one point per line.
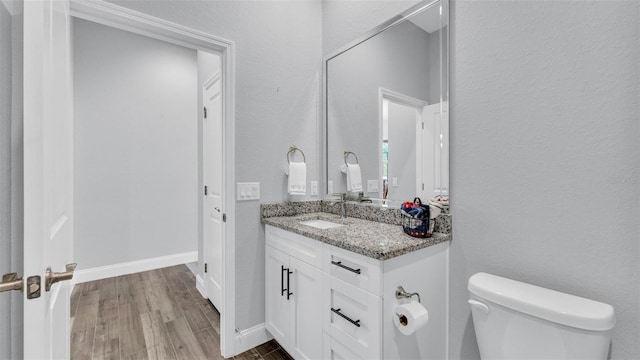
410 317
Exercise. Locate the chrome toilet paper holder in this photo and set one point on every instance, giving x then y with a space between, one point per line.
402 294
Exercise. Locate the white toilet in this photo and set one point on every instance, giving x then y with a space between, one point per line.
514 320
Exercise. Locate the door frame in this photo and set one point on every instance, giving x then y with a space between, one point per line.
387 94
126 19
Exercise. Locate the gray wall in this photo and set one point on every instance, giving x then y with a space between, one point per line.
17 174
544 123
278 82
5 174
136 147
344 21
11 175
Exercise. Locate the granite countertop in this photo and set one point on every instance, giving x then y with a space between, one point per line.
373 239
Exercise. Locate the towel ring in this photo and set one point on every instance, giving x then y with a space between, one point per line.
292 150
346 155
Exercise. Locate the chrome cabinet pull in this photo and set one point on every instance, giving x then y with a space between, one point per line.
354 322
339 264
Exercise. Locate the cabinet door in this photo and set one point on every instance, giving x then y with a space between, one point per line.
277 305
306 314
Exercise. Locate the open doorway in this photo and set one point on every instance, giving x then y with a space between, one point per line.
152 204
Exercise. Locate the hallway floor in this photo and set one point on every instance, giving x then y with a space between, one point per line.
156 314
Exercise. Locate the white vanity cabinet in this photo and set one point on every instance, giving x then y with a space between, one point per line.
340 303
293 291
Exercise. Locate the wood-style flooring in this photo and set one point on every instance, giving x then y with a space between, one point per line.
156 314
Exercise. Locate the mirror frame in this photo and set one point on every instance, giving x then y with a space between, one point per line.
324 124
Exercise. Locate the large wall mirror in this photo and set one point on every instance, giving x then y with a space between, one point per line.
387 109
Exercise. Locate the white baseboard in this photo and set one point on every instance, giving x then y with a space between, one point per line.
200 286
252 337
103 272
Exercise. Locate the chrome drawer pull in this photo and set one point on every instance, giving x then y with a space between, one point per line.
354 322
339 264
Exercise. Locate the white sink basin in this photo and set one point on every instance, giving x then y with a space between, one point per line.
321 224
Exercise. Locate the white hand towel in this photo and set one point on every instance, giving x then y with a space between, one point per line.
354 178
297 178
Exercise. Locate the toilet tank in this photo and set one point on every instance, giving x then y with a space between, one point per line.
515 320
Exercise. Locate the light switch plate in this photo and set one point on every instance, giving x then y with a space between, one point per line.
372 186
314 188
248 191
394 182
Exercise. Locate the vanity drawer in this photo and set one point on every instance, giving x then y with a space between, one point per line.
355 269
298 246
353 316
333 349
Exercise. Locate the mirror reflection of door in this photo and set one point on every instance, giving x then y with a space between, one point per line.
400 149
401 145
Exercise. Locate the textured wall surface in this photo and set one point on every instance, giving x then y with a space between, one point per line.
135 153
278 81
11 173
5 174
345 20
545 154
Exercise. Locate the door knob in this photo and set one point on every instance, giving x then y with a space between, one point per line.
54 277
10 282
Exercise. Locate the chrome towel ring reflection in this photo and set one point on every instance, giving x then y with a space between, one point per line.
292 150
346 156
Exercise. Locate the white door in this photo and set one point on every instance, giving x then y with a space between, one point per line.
278 301
48 174
429 154
213 181
444 148
307 311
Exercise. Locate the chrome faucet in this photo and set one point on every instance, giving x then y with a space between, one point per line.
341 198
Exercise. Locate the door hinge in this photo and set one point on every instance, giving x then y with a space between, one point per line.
423 187
205 189
224 217
206 267
423 125
205 112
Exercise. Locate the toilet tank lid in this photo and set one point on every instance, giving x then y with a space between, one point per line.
551 305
